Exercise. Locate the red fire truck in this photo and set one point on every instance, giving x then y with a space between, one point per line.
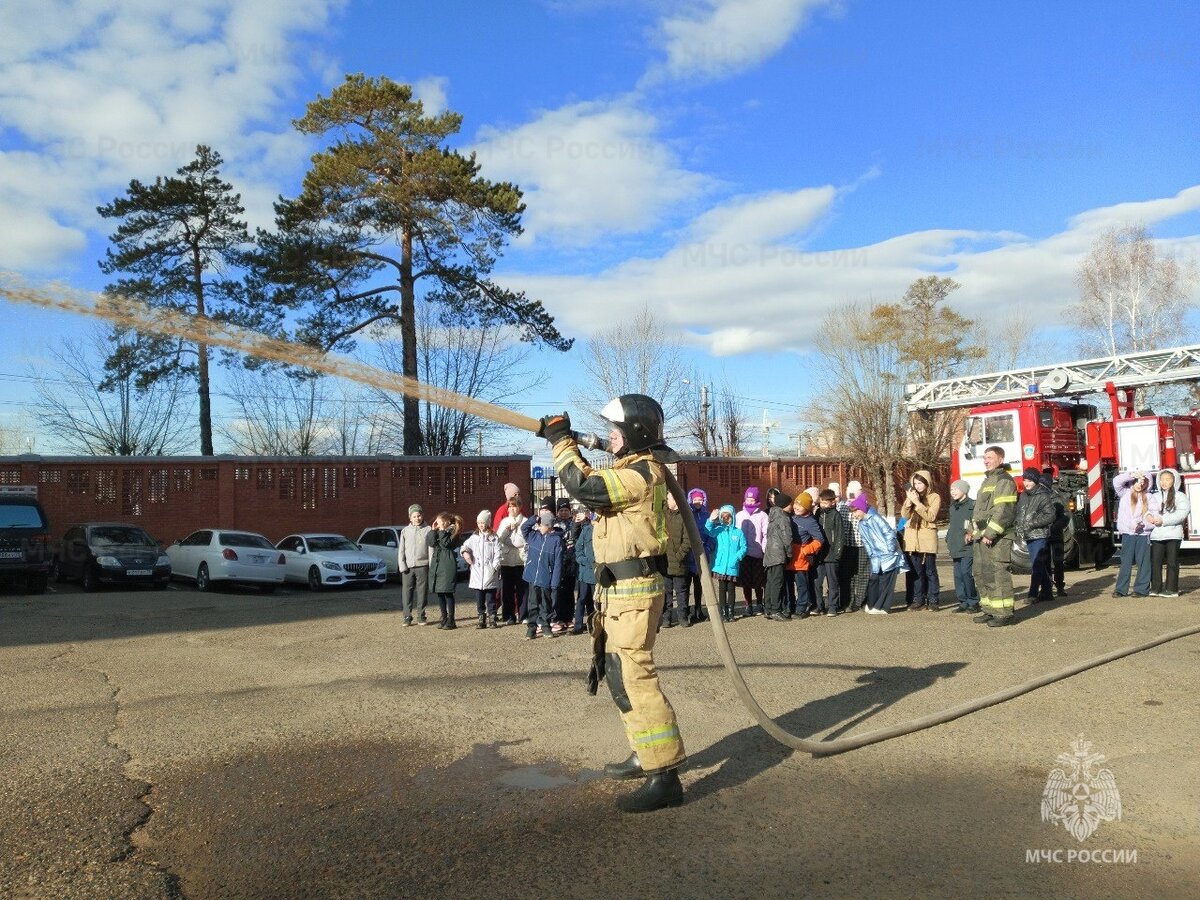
1037 416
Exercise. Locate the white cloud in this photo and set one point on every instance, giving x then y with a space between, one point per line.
739 281
722 37
588 169
431 91
109 90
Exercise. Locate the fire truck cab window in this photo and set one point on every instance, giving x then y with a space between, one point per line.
998 430
1046 418
975 432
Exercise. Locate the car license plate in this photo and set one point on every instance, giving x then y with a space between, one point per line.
139 571
11 554
258 559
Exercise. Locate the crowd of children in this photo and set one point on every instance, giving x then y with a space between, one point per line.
819 553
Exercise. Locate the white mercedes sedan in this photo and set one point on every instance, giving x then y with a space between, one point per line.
327 560
217 555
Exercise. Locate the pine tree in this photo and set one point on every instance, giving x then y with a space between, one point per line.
386 213
178 246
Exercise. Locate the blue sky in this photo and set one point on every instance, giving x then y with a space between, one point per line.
744 166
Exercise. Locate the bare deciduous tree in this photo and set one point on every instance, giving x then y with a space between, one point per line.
85 409
487 361
15 438
715 429
861 397
1130 297
277 413
636 356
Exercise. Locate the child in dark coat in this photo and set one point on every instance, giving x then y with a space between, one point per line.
543 570
443 570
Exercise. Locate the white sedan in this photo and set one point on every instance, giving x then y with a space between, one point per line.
214 554
325 560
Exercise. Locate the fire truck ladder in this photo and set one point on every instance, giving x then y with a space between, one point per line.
1118 376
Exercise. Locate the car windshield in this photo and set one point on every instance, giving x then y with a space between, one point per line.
239 539
329 542
119 536
20 515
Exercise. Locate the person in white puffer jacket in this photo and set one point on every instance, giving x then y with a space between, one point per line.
1168 518
482 552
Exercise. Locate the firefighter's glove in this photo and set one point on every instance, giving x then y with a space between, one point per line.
555 428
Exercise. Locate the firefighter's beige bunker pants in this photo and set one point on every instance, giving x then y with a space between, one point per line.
993 577
632 608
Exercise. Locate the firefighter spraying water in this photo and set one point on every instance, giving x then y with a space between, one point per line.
632 493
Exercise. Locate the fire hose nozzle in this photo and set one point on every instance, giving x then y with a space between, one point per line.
590 441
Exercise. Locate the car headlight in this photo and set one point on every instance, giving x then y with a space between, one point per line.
381 565
108 561
326 564
163 560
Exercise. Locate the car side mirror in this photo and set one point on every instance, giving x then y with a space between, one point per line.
968 451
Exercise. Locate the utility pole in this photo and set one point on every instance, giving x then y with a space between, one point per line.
799 436
704 422
766 427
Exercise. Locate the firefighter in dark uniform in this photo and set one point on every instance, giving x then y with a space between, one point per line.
629 540
995 513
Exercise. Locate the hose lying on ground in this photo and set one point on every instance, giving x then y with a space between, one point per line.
854 741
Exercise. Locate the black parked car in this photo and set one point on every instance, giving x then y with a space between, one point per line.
24 535
111 553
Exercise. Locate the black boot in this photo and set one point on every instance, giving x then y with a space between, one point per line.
660 790
630 768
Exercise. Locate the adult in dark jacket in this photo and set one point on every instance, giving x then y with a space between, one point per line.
1035 516
827 589
585 560
443 570
698 501
778 550
1058 534
679 546
960 538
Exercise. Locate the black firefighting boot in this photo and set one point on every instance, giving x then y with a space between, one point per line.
630 768
660 790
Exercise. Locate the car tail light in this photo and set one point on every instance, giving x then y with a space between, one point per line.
282 560
42 539
229 554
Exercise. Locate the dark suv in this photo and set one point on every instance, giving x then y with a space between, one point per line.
24 535
111 553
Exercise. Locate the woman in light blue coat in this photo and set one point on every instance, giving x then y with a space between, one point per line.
1169 517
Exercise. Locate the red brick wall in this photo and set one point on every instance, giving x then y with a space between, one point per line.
173 496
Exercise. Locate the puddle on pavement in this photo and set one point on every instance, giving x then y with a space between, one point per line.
531 778
486 759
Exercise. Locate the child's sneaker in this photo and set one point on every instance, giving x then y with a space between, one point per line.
558 628
530 635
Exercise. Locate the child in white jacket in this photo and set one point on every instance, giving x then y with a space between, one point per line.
1168 517
482 553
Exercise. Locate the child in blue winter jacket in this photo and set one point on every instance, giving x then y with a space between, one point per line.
543 569
730 549
887 559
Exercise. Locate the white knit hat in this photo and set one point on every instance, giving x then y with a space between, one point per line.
853 489
835 487
484 516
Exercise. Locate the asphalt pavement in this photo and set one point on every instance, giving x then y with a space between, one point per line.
234 744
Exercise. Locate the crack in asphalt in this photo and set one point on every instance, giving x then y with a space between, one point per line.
131 836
